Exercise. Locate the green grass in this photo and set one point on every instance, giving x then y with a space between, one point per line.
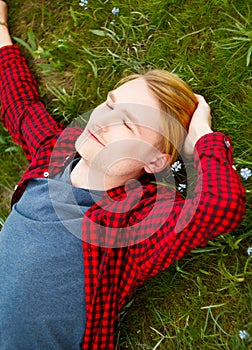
77 55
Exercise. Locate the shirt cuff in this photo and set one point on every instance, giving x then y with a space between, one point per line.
208 143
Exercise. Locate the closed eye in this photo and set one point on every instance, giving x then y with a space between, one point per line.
109 105
127 125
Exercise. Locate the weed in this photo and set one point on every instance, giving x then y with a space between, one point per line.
239 39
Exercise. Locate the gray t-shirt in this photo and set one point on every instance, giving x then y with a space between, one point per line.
42 300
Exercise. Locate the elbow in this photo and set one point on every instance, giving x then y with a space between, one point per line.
236 211
227 214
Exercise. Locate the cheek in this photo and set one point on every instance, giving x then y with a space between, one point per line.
125 168
115 156
123 156
152 137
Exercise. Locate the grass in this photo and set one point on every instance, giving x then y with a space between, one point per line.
77 55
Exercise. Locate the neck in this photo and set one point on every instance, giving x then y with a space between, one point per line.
83 176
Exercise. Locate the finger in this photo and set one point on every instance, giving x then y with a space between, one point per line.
200 98
202 103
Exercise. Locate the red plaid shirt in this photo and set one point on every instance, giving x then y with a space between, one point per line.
160 225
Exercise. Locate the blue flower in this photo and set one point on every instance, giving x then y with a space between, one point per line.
176 166
244 335
249 251
246 173
115 11
181 187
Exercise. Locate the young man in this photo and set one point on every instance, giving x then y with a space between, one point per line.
88 227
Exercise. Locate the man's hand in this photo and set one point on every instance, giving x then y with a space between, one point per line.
3 11
200 125
5 38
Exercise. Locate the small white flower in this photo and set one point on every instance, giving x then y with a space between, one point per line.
181 187
176 166
84 3
244 335
115 11
249 251
246 173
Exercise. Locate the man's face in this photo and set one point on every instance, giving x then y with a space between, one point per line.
123 133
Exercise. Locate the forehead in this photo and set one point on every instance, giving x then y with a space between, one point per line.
136 92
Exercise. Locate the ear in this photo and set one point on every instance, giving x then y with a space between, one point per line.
158 163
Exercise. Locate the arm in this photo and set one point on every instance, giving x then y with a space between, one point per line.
23 114
217 207
219 195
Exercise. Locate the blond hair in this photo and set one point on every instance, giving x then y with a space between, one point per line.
177 102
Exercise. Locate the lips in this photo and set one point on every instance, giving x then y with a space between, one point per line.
94 137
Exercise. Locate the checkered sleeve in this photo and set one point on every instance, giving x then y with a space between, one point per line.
217 208
23 113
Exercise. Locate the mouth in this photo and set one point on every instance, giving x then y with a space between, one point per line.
93 137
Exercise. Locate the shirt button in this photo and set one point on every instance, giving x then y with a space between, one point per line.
227 143
66 159
46 174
